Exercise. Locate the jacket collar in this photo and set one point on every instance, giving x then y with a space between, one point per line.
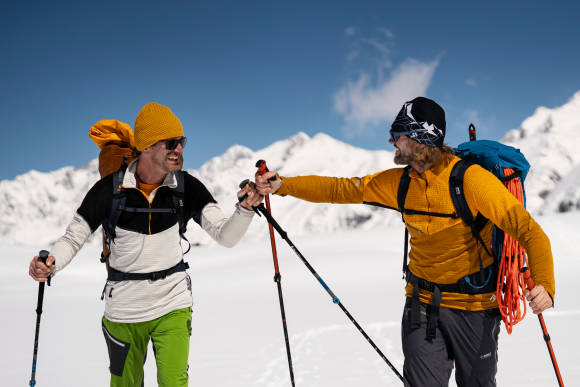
130 178
436 169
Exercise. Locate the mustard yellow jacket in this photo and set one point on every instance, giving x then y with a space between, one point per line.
443 250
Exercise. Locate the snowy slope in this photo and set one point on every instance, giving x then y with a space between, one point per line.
237 338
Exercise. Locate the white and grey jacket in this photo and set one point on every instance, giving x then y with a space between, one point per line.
148 242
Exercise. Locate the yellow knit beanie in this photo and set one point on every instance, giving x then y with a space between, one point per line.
154 123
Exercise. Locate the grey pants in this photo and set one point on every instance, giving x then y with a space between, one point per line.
467 338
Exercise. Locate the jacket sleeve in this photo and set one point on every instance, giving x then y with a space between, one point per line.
67 246
203 208
380 188
89 216
486 194
197 197
226 231
96 205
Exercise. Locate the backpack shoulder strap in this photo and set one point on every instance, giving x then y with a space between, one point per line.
456 179
403 189
401 196
117 205
456 190
178 195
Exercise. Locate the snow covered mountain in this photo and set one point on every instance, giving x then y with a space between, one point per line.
549 139
36 207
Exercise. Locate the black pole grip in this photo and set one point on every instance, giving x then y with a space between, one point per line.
242 184
43 256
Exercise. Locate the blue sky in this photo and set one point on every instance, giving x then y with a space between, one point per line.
251 73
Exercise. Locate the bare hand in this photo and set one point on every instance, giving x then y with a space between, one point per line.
252 197
40 271
266 186
539 299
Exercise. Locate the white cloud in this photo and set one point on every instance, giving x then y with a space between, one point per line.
379 46
388 33
365 104
350 31
352 56
471 82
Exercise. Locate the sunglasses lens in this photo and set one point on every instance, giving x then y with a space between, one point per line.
171 144
396 135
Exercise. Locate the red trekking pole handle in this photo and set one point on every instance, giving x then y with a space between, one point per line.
530 285
262 168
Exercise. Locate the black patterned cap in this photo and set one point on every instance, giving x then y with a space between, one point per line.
424 121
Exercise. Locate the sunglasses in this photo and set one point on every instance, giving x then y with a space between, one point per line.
172 143
396 135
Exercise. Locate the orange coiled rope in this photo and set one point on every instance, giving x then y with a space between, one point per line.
510 280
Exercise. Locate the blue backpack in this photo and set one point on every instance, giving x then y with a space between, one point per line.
495 157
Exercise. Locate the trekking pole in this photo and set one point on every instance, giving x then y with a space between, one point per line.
278 280
472 132
530 285
42 255
335 299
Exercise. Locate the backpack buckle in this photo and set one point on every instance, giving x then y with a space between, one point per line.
158 275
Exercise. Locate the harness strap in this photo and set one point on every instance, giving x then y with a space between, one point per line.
415 312
433 315
466 285
116 275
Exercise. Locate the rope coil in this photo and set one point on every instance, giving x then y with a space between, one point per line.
510 280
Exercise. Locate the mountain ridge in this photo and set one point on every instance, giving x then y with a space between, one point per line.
36 207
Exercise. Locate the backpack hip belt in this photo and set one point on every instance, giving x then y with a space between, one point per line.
466 285
116 275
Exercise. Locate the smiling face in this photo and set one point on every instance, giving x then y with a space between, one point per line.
156 161
166 160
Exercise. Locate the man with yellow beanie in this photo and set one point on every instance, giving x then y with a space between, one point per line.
144 210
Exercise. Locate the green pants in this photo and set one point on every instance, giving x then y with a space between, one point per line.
127 345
